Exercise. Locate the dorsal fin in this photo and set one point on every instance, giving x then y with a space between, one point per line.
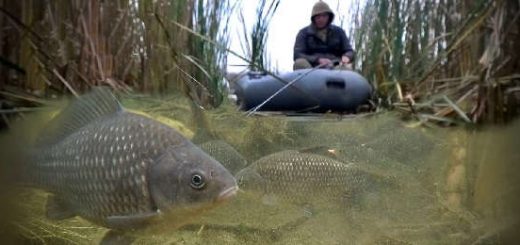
98 103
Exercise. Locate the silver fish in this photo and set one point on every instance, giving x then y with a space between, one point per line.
225 154
121 170
297 177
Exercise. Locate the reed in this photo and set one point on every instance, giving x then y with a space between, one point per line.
254 38
431 51
421 51
210 18
69 46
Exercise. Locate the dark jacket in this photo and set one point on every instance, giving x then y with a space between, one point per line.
310 47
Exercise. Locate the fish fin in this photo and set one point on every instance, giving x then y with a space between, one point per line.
131 221
115 237
313 149
321 150
58 209
98 103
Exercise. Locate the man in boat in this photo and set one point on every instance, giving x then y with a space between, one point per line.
322 43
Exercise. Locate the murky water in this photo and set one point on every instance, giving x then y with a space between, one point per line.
452 186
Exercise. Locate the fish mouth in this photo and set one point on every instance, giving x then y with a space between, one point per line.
227 194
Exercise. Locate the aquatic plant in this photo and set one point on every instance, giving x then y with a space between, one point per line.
210 18
441 60
434 60
254 40
71 46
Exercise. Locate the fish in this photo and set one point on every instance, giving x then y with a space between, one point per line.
228 156
121 170
304 178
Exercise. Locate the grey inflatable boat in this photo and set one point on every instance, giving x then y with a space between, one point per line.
306 90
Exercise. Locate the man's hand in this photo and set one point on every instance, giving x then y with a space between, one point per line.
345 60
325 61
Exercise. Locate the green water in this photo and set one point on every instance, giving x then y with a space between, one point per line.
455 186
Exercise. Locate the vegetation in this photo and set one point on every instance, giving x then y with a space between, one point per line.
254 41
211 21
68 46
442 57
435 60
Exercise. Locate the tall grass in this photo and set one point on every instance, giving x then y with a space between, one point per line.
254 38
69 46
437 57
211 18
438 51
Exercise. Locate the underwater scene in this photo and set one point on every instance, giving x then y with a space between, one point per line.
307 179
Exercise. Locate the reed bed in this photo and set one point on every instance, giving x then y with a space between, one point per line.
254 41
57 47
437 60
434 60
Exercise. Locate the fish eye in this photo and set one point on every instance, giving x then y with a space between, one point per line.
197 181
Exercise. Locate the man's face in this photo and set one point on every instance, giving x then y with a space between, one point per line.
321 20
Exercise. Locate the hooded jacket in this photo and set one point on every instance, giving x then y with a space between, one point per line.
309 46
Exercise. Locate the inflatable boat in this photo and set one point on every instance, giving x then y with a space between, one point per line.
307 90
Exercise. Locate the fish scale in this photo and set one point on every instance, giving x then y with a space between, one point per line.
303 177
122 170
225 154
76 155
